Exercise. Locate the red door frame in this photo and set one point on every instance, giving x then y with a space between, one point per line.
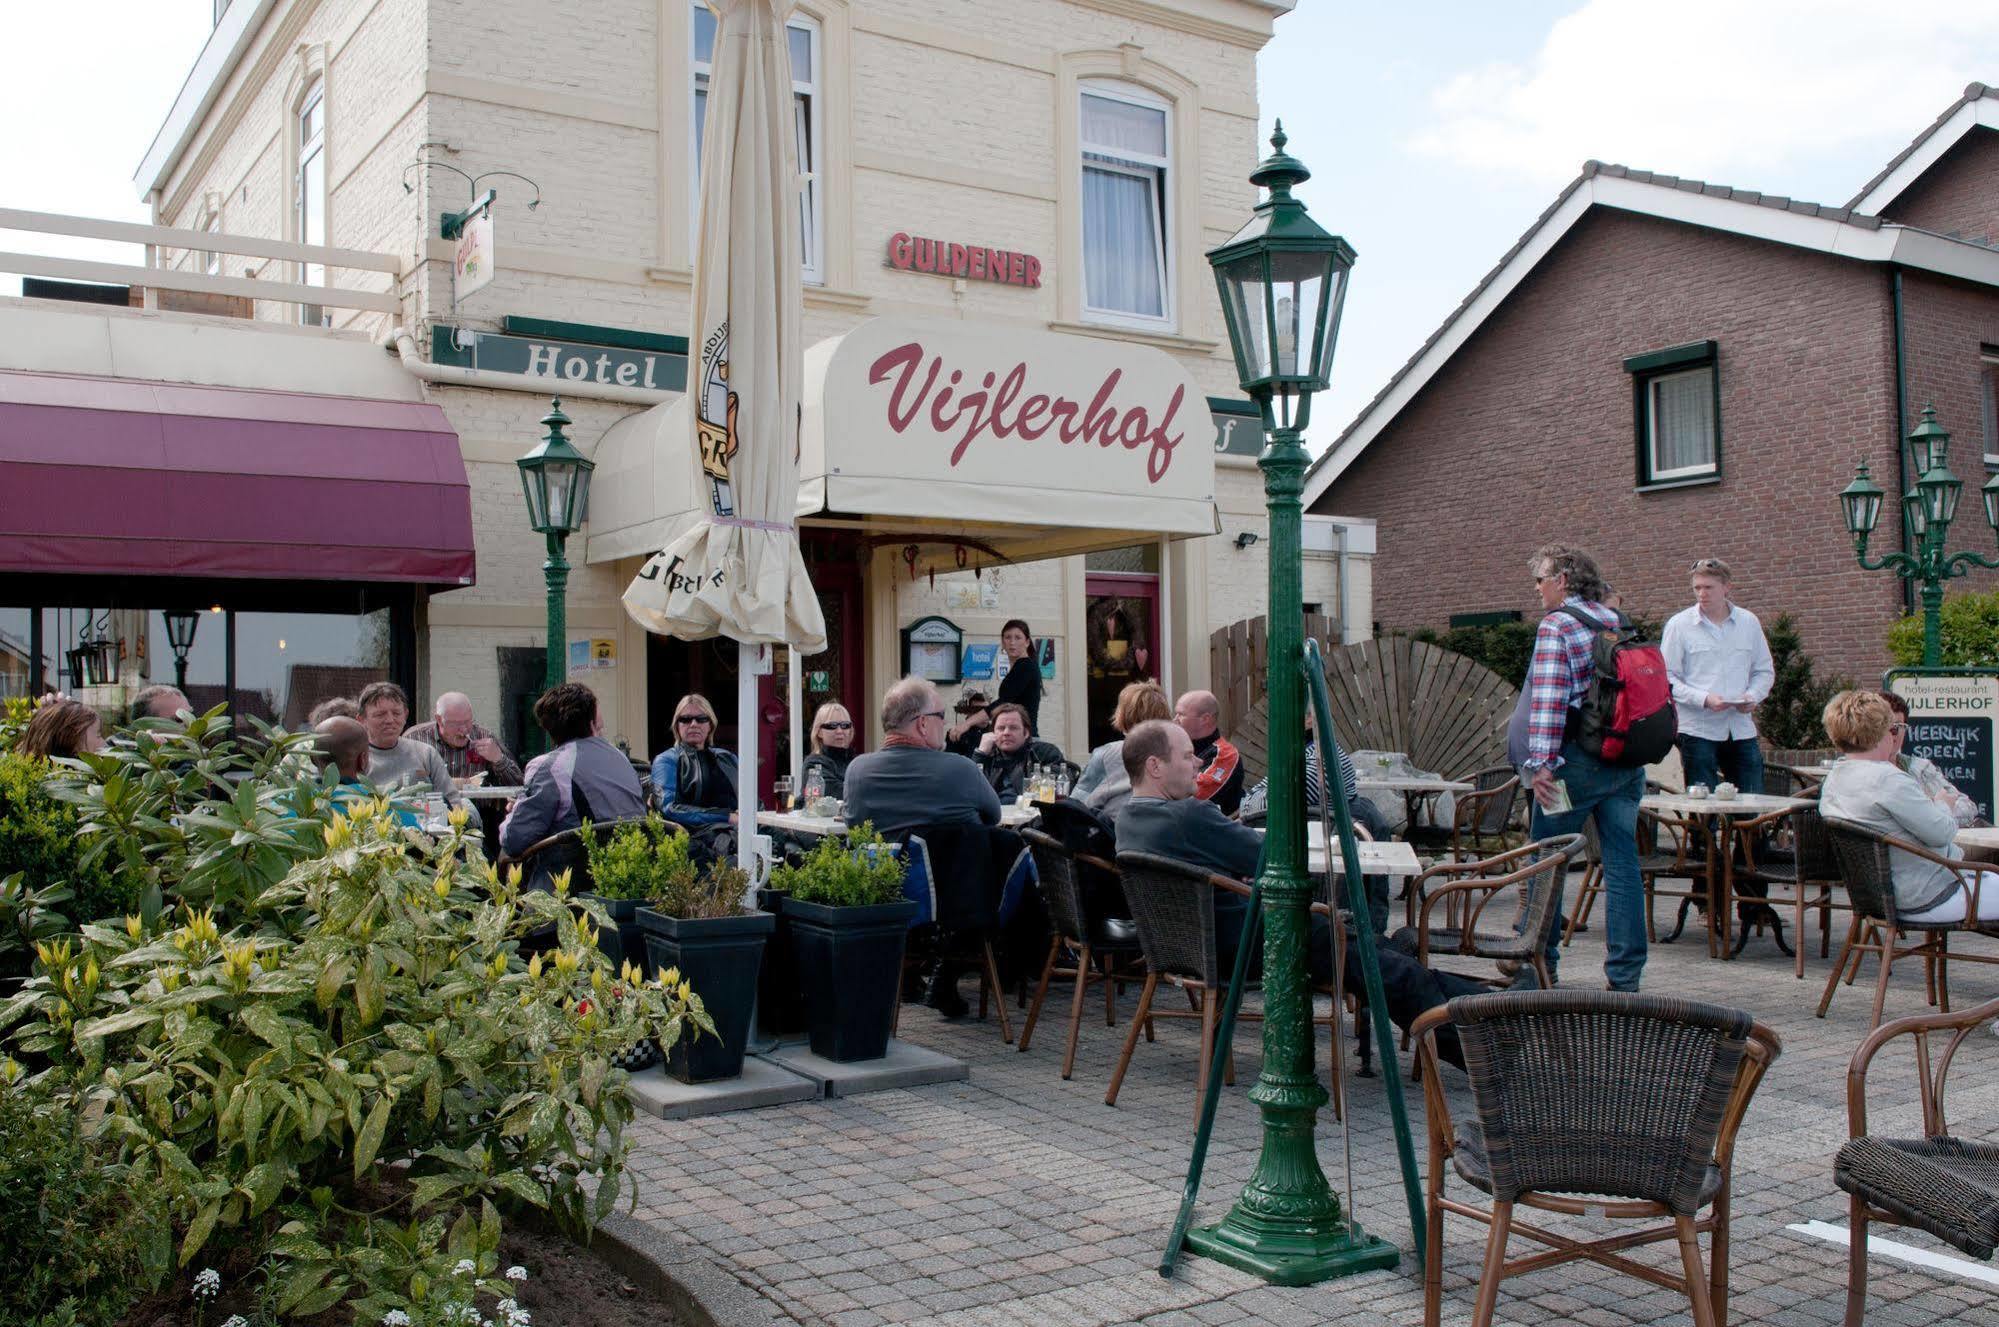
835 575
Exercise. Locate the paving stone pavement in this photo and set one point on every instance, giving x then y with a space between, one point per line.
1017 1197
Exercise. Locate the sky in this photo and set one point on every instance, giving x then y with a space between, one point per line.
1438 130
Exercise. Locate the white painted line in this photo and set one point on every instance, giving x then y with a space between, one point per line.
1907 1253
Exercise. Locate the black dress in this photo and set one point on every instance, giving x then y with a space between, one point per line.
1022 686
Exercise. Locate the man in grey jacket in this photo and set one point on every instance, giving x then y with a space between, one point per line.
584 778
912 780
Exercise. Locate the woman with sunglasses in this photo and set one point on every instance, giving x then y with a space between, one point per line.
832 749
695 782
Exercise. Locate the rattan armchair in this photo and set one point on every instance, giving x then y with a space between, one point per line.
565 851
1172 902
1806 866
1536 871
1878 928
1937 1183
1592 1102
1076 931
1481 820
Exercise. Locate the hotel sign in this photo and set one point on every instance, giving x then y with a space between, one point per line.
546 362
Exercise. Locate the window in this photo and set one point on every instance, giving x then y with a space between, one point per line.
211 259
1988 382
309 192
287 663
806 103
1127 153
1677 402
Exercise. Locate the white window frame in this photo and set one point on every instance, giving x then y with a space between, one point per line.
812 229
1158 171
311 155
1653 473
1988 382
211 259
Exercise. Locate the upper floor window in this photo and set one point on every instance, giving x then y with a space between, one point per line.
211 259
1988 383
309 190
1127 157
806 106
1677 409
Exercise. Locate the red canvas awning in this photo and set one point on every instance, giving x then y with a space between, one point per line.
113 476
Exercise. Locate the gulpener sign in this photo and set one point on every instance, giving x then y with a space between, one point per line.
949 258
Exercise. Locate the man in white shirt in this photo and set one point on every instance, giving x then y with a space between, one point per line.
1720 668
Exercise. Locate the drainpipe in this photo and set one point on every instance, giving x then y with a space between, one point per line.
451 375
1901 428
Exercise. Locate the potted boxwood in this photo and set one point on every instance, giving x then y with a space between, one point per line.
641 862
849 923
701 928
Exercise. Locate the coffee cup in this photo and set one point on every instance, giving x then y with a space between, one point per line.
1697 791
1724 791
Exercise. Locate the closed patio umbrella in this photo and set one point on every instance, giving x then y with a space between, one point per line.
739 572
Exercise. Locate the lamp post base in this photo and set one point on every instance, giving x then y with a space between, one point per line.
1295 1254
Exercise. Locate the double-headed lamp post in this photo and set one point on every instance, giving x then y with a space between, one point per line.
1282 281
1927 509
556 480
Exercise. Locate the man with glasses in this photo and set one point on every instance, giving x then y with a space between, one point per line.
913 780
1720 668
468 749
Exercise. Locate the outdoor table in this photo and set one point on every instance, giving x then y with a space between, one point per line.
1415 791
1979 836
801 822
1394 858
492 803
1818 771
1724 811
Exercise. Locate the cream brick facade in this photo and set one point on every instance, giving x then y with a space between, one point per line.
951 118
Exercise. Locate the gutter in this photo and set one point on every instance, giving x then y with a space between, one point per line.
1901 425
450 375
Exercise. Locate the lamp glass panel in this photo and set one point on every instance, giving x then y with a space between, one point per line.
1940 500
559 476
537 497
1991 492
1242 289
1913 515
1300 288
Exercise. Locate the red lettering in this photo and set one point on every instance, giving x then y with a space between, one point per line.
898 251
1133 432
978 257
926 255
937 420
1016 270
902 359
1008 389
1033 271
1162 446
1027 422
1101 415
958 261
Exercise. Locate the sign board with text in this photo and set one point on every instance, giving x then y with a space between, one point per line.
1238 427
1951 716
547 363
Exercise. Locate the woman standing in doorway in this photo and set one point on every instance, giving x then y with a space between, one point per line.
1020 684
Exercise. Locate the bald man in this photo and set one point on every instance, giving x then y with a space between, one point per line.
1221 777
343 744
467 748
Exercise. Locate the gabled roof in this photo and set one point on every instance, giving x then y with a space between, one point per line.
1978 106
1841 232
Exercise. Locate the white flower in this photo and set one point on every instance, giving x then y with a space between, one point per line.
465 1267
393 1318
512 1314
207 1283
517 1273
235 1320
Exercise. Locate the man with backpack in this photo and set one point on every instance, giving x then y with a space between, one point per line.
1598 708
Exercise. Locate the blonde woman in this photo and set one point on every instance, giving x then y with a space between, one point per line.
1104 786
832 749
694 781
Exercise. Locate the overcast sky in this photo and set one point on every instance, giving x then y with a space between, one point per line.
1438 130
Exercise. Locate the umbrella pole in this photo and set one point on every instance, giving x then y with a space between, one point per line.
746 762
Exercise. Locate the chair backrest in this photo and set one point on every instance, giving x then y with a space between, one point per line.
1864 865
1056 867
1495 814
1596 1092
1815 856
542 862
1172 904
1540 867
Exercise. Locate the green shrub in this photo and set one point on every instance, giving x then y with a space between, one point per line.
1969 627
1504 647
1791 717
365 1020
84 1239
645 860
41 841
853 870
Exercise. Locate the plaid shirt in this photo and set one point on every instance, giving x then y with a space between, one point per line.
1558 678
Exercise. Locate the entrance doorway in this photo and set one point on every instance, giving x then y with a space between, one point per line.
1122 618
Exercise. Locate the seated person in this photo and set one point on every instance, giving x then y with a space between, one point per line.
912 780
1366 815
396 761
583 778
694 781
468 748
1104 786
1007 754
343 744
1924 771
832 750
1221 776
1867 787
158 702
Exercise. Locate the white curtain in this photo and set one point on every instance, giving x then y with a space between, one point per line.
1683 421
1119 126
1121 240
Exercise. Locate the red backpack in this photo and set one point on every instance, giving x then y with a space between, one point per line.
1627 717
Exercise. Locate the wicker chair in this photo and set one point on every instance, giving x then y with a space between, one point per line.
1624 1106
1172 903
1537 870
1937 1183
1481 820
565 851
1077 931
1877 928
1807 867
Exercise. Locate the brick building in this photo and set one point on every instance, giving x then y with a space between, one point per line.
1662 369
350 126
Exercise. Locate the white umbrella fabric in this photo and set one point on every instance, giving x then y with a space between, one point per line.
739 572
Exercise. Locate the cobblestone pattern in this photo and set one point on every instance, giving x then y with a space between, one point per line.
1019 1198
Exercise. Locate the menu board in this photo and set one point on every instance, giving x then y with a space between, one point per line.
1950 723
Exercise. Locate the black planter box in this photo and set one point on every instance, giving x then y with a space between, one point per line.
721 956
627 943
850 974
779 1010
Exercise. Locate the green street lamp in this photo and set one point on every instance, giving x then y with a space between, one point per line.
555 478
1282 280
181 624
1928 509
